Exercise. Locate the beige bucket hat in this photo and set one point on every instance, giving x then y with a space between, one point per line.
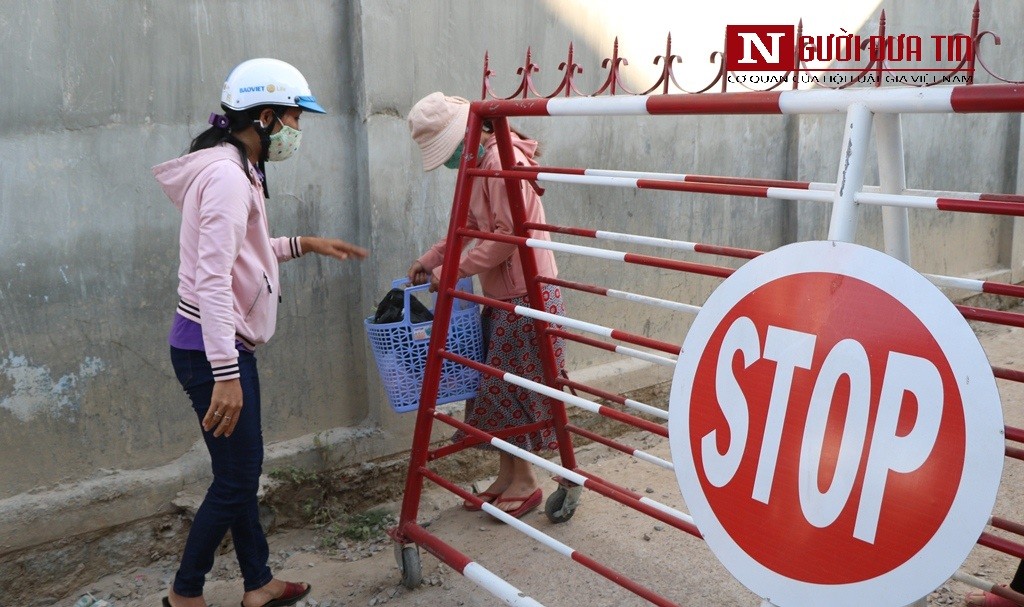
438 125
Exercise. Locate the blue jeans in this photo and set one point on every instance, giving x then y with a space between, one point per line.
230 502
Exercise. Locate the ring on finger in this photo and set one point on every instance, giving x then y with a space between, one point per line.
227 418
218 414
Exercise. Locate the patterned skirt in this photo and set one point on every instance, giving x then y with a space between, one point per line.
512 345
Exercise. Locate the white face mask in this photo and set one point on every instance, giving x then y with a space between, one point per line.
284 143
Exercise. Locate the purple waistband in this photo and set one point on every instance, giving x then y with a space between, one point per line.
187 334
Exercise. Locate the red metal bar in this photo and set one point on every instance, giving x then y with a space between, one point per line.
439 333
1010 374
1007 525
602 410
622 580
615 398
633 500
1001 544
576 286
632 338
1015 453
582 559
753 181
1012 319
597 438
718 103
528 257
636 339
595 343
644 260
987 207
468 442
1014 434
698 248
988 98
444 553
599 485
1002 197
999 288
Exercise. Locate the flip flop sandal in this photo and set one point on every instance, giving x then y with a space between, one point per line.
526 504
485 496
293 593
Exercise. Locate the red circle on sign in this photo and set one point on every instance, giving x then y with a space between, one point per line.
777 534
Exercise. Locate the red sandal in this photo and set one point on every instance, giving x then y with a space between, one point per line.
526 504
293 593
486 496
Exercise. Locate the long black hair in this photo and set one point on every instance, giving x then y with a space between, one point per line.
223 132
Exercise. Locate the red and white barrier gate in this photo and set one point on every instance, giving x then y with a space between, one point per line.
870 453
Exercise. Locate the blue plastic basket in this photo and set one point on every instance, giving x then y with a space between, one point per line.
400 349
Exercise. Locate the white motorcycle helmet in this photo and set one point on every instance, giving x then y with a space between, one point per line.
267 81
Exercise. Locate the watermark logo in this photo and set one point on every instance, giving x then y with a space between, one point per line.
843 57
760 48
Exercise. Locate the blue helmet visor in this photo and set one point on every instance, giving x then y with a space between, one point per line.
308 102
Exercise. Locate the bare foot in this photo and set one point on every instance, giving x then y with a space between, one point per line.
177 600
491 492
273 590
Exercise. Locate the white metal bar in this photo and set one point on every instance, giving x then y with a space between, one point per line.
681 245
653 459
577 478
654 301
569 475
793 193
961 576
648 409
667 510
576 249
892 179
952 282
910 202
618 182
529 530
636 174
657 359
876 100
508 593
596 329
813 186
843 225
624 105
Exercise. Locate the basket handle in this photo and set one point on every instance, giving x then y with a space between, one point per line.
408 288
463 284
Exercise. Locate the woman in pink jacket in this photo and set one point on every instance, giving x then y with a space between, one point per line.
229 290
438 125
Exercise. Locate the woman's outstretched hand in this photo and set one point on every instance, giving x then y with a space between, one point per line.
332 247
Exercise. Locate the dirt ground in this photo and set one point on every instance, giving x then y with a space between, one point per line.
662 558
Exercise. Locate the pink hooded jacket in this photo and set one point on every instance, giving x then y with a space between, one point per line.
498 264
228 263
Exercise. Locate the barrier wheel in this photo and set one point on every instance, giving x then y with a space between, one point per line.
561 505
409 563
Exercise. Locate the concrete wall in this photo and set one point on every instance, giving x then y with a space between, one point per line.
98 91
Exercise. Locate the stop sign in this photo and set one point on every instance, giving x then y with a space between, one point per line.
835 428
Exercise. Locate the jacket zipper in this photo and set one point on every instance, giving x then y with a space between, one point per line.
258 295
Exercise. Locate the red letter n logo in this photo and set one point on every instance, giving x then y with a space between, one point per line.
760 48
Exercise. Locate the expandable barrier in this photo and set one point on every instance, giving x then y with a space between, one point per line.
863 109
